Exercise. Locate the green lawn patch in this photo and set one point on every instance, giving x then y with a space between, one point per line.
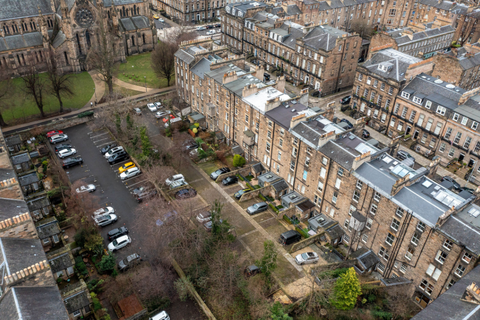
22 106
256 186
137 68
209 167
249 177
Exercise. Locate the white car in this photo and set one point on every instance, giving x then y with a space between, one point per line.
306 258
174 178
132 172
162 114
161 20
204 217
119 243
160 316
66 153
152 107
210 32
106 210
112 151
87 188
158 104
58 138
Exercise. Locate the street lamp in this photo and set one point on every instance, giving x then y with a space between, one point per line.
145 83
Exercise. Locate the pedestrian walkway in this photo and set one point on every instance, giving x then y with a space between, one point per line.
99 90
130 86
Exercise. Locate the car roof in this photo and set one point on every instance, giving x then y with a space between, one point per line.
124 237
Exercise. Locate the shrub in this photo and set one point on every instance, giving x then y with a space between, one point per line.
250 186
302 232
240 177
261 197
107 264
287 219
80 266
238 161
346 291
273 207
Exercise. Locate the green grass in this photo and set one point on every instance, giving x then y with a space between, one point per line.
124 91
209 167
136 68
22 106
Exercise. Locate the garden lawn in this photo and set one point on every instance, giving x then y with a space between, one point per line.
137 67
22 106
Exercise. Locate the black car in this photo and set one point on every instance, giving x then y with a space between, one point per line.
316 94
118 157
240 193
117 232
468 190
361 59
62 147
71 162
456 185
107 148
230 180
349 124
266 77
218 25
365 134
140 190
209 27
185 194
215 174
148 194
346 100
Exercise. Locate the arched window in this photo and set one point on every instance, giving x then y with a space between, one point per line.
87 38
66 57
14 28
25 26
6 29
124 14
78 44
133 41
33 25
134 10
143 38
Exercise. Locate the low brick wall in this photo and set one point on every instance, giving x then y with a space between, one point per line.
304 243
243 171
252 194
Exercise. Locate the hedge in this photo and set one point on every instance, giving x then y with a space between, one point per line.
302 232
240 177
287 219
85 114
249 186
273 207
262 197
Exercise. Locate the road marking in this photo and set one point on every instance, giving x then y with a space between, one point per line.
267 219
100 140
98 135
201 179
247 234
105 143
137 183
120 163
129 179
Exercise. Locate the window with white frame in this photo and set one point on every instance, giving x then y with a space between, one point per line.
467 257
420 226
368 224
356 196
450 284
403 268
417 100
323 173
441 256
280 142
307 161
77 313
338 182
399 212
464 120
441 110
377 196
365 238
474 125
373 209
351 210
324 161
294 152
346 223
409 253
279 157
380 267
395 224
405 94
448 133
320 186
455 116
334 197
433 272
359 185
268 147
340 172
426 286
415 239
460 270
390 239
428 104
292 165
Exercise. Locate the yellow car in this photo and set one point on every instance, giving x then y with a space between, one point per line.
126 166
155 16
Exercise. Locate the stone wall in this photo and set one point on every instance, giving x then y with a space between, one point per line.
243 171
306 242
253 194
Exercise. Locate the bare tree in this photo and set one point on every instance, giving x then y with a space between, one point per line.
362 28
59 81
35 85
101 55
163 58
5 92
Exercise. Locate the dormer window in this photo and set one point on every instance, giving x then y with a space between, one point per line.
405 94
456 116
428 104
417 100
441 110
464 120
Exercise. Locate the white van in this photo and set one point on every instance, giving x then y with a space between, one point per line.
173 121
160 316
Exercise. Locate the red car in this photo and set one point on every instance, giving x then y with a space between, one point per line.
53 133
165 120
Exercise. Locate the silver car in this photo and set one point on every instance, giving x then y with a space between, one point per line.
257 208
306 258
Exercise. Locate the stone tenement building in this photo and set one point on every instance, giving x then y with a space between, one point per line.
378 82
30 29
414 226
192 11
422 44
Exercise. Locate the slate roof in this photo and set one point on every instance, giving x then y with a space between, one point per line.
20 158
32 303
280 185
297 197
335 232
403 38
6 174
323 37
305 205
19 41
13 140
367 259
201 67
294 34
38 203
469 62
184 56
76 301
20 253
60 262
311 130
283 114
400 62
11 207
258 167
28 179
108 3
293 9
236 86
59 39
449 306
47 228
14 9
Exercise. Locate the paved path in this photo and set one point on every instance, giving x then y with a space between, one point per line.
99 89
130 86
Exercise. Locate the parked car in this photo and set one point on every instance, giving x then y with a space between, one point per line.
204 217
108 148
117 232
201 28
266 77
158 105
119 243
112 151
137 111
307 258
177 184
162 114
58 138
140 190
152 107
257 208
160 316
218 25
126 166
156 16
215 174
229 180
456 185
71 162
289 237
147 194
185 193
208 226
346 100
172 121
54 133
105 219
130 261
174 178
361 59
161 20
240 193
101 211
166 117
66 153
468 190
210 32
365 134
62 147
402 155
118 157
316 94
349 124
87 188
209 26
250 271
130 173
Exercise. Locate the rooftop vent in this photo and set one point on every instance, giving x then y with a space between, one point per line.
269 176
293 196
293 110
450 86
438 81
